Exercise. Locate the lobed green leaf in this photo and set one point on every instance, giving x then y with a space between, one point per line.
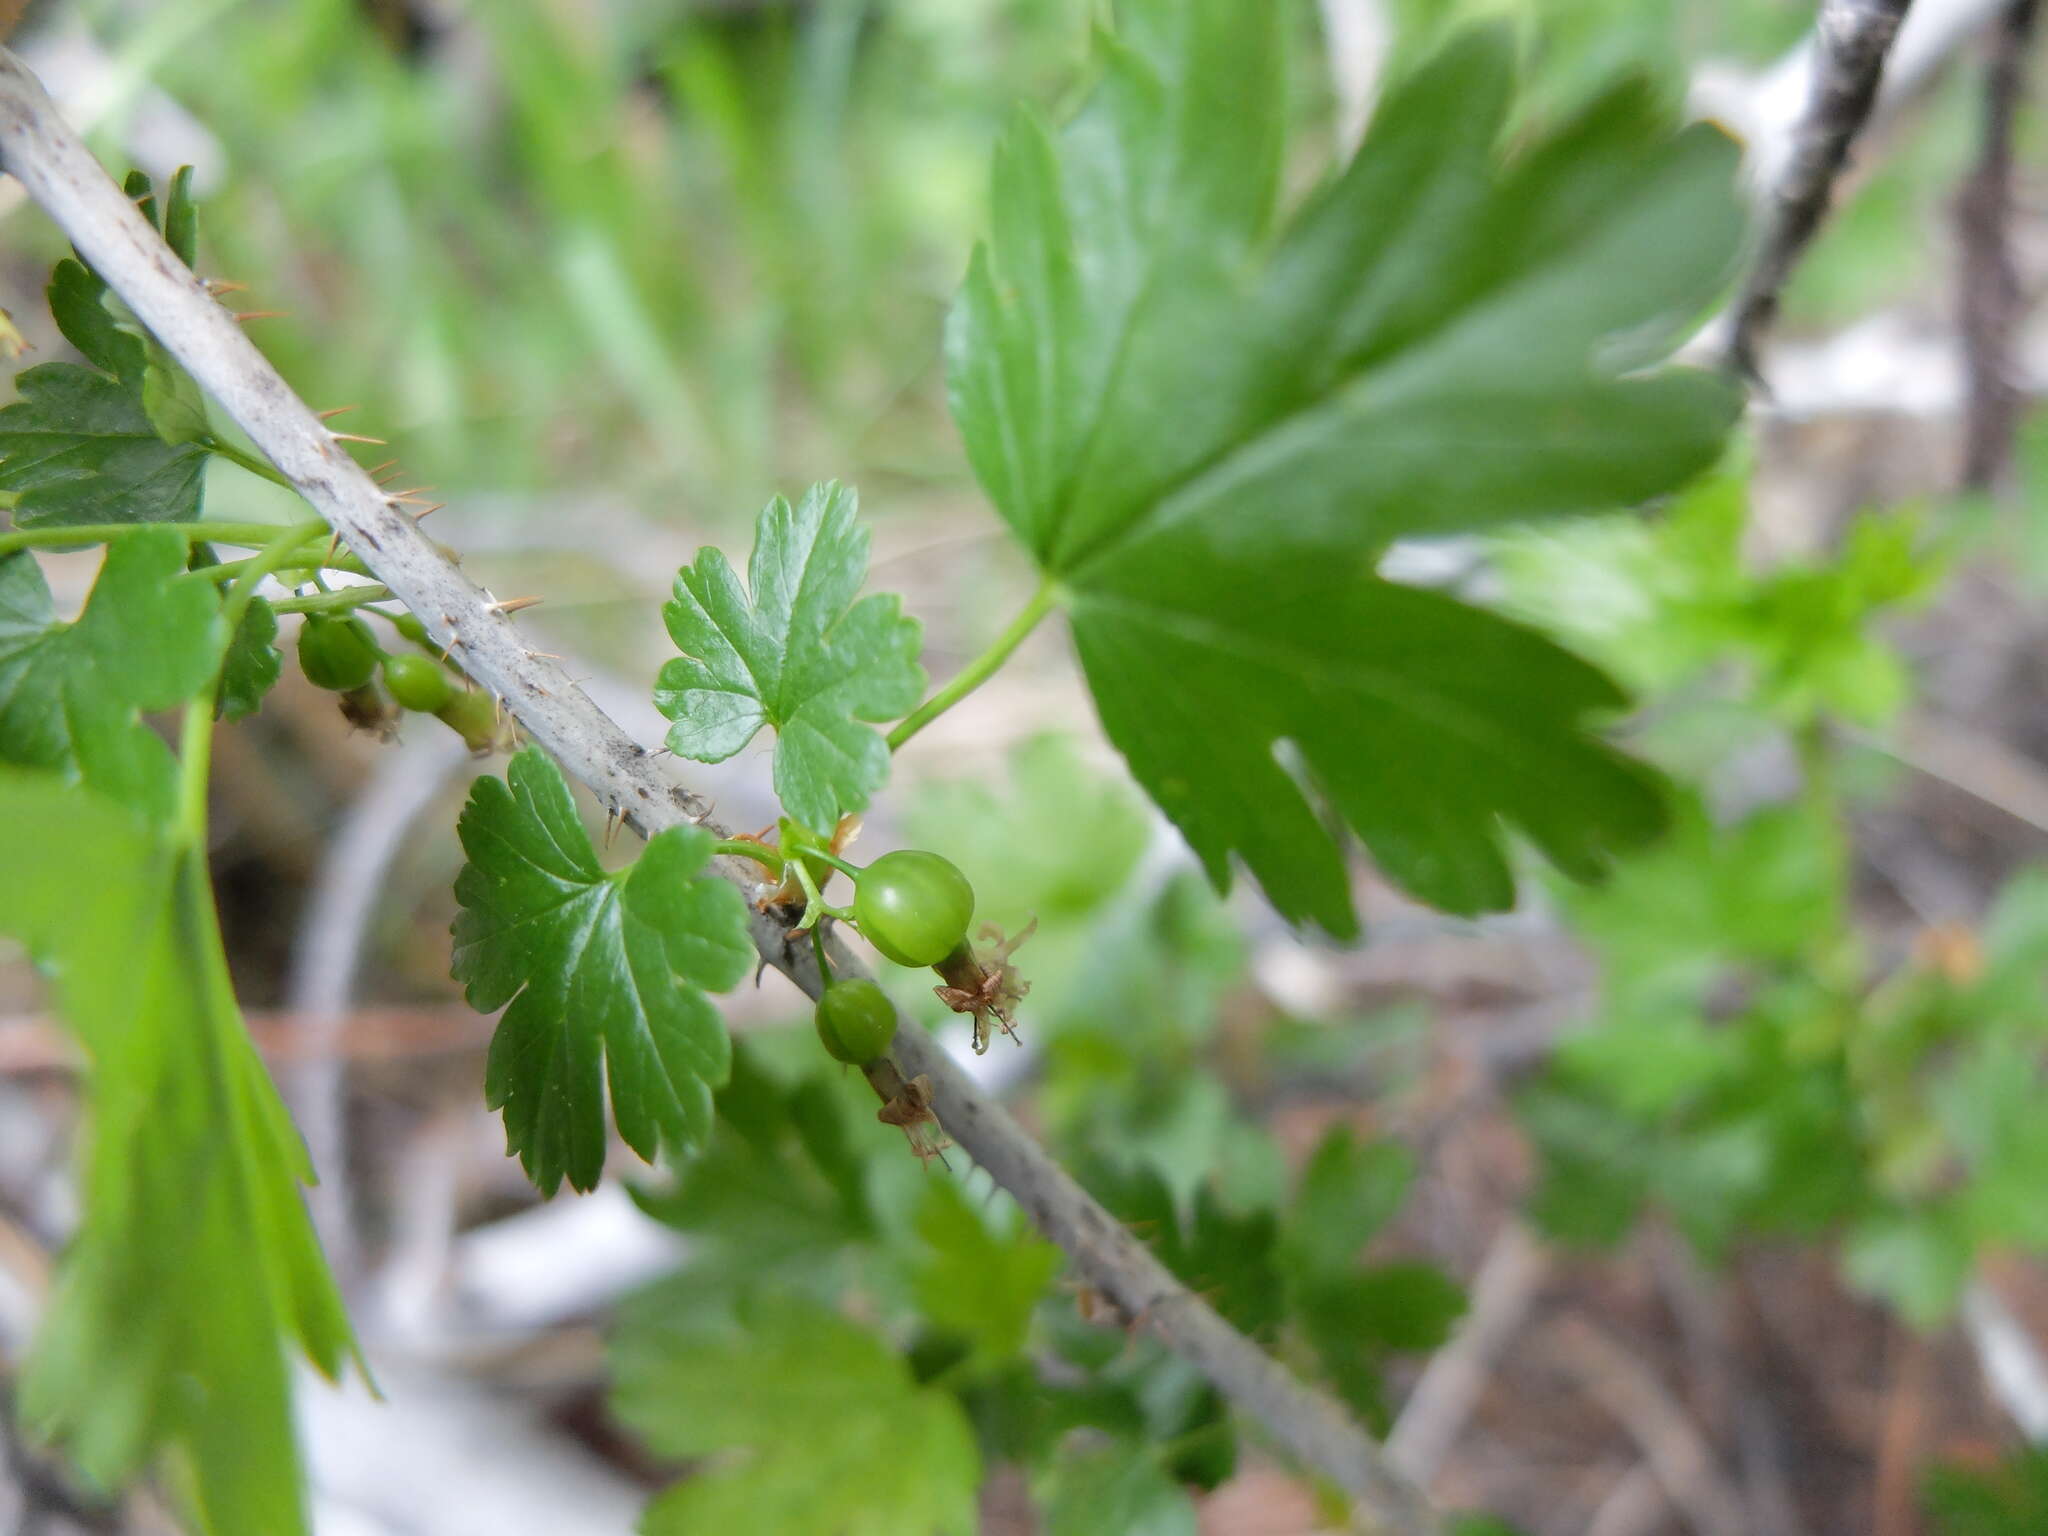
70 693
1209 425
194 1262
793 650
975 1282
253 663
118 442
604 973
836 1439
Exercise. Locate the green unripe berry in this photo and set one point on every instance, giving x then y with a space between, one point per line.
913 906
473 715
339 655
855 1021
417 683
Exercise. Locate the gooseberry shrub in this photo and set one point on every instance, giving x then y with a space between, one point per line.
1205 412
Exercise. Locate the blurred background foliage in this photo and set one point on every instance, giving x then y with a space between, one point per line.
685 252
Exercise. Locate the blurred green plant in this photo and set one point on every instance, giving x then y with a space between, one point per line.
2010 1499
1750 1068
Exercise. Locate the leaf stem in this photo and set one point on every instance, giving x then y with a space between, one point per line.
246 535
315 561
260 467
195 738
851 871
340 600
979 670
747 848
195 767
275 555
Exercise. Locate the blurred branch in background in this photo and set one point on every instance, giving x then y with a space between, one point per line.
1992 300
1850 43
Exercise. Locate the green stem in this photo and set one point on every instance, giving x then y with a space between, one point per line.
815 905
979 670
340 600
851 871
246 535
743 848
824 965
251 463
195 766
311 556
273 556
195 739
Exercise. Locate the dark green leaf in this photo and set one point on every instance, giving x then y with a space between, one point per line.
1355 1316
78 305
1406 1305
70 693
181 217
79 447
795 651
195 1263
1228 1256
601 971
837 1439
253 663
1347 1193
118 445
1184 1410
779 1188
141 191
1209 432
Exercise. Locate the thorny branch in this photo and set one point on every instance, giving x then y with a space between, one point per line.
1992 302
61 174
1850 42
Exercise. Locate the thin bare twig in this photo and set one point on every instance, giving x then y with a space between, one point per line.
1671 1443
1992 301
1851 39
2014 1368
61 174
1437 1410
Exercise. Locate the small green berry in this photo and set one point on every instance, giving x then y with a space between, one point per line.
855 1021
417 683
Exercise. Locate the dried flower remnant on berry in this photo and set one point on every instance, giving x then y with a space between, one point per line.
980 980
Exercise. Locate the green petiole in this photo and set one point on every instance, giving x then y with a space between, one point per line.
340 600
262 468
195 739
245 535
744 848
851 871
979 670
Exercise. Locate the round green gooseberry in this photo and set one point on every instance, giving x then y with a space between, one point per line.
913 906
855 1021
417 683
338 654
